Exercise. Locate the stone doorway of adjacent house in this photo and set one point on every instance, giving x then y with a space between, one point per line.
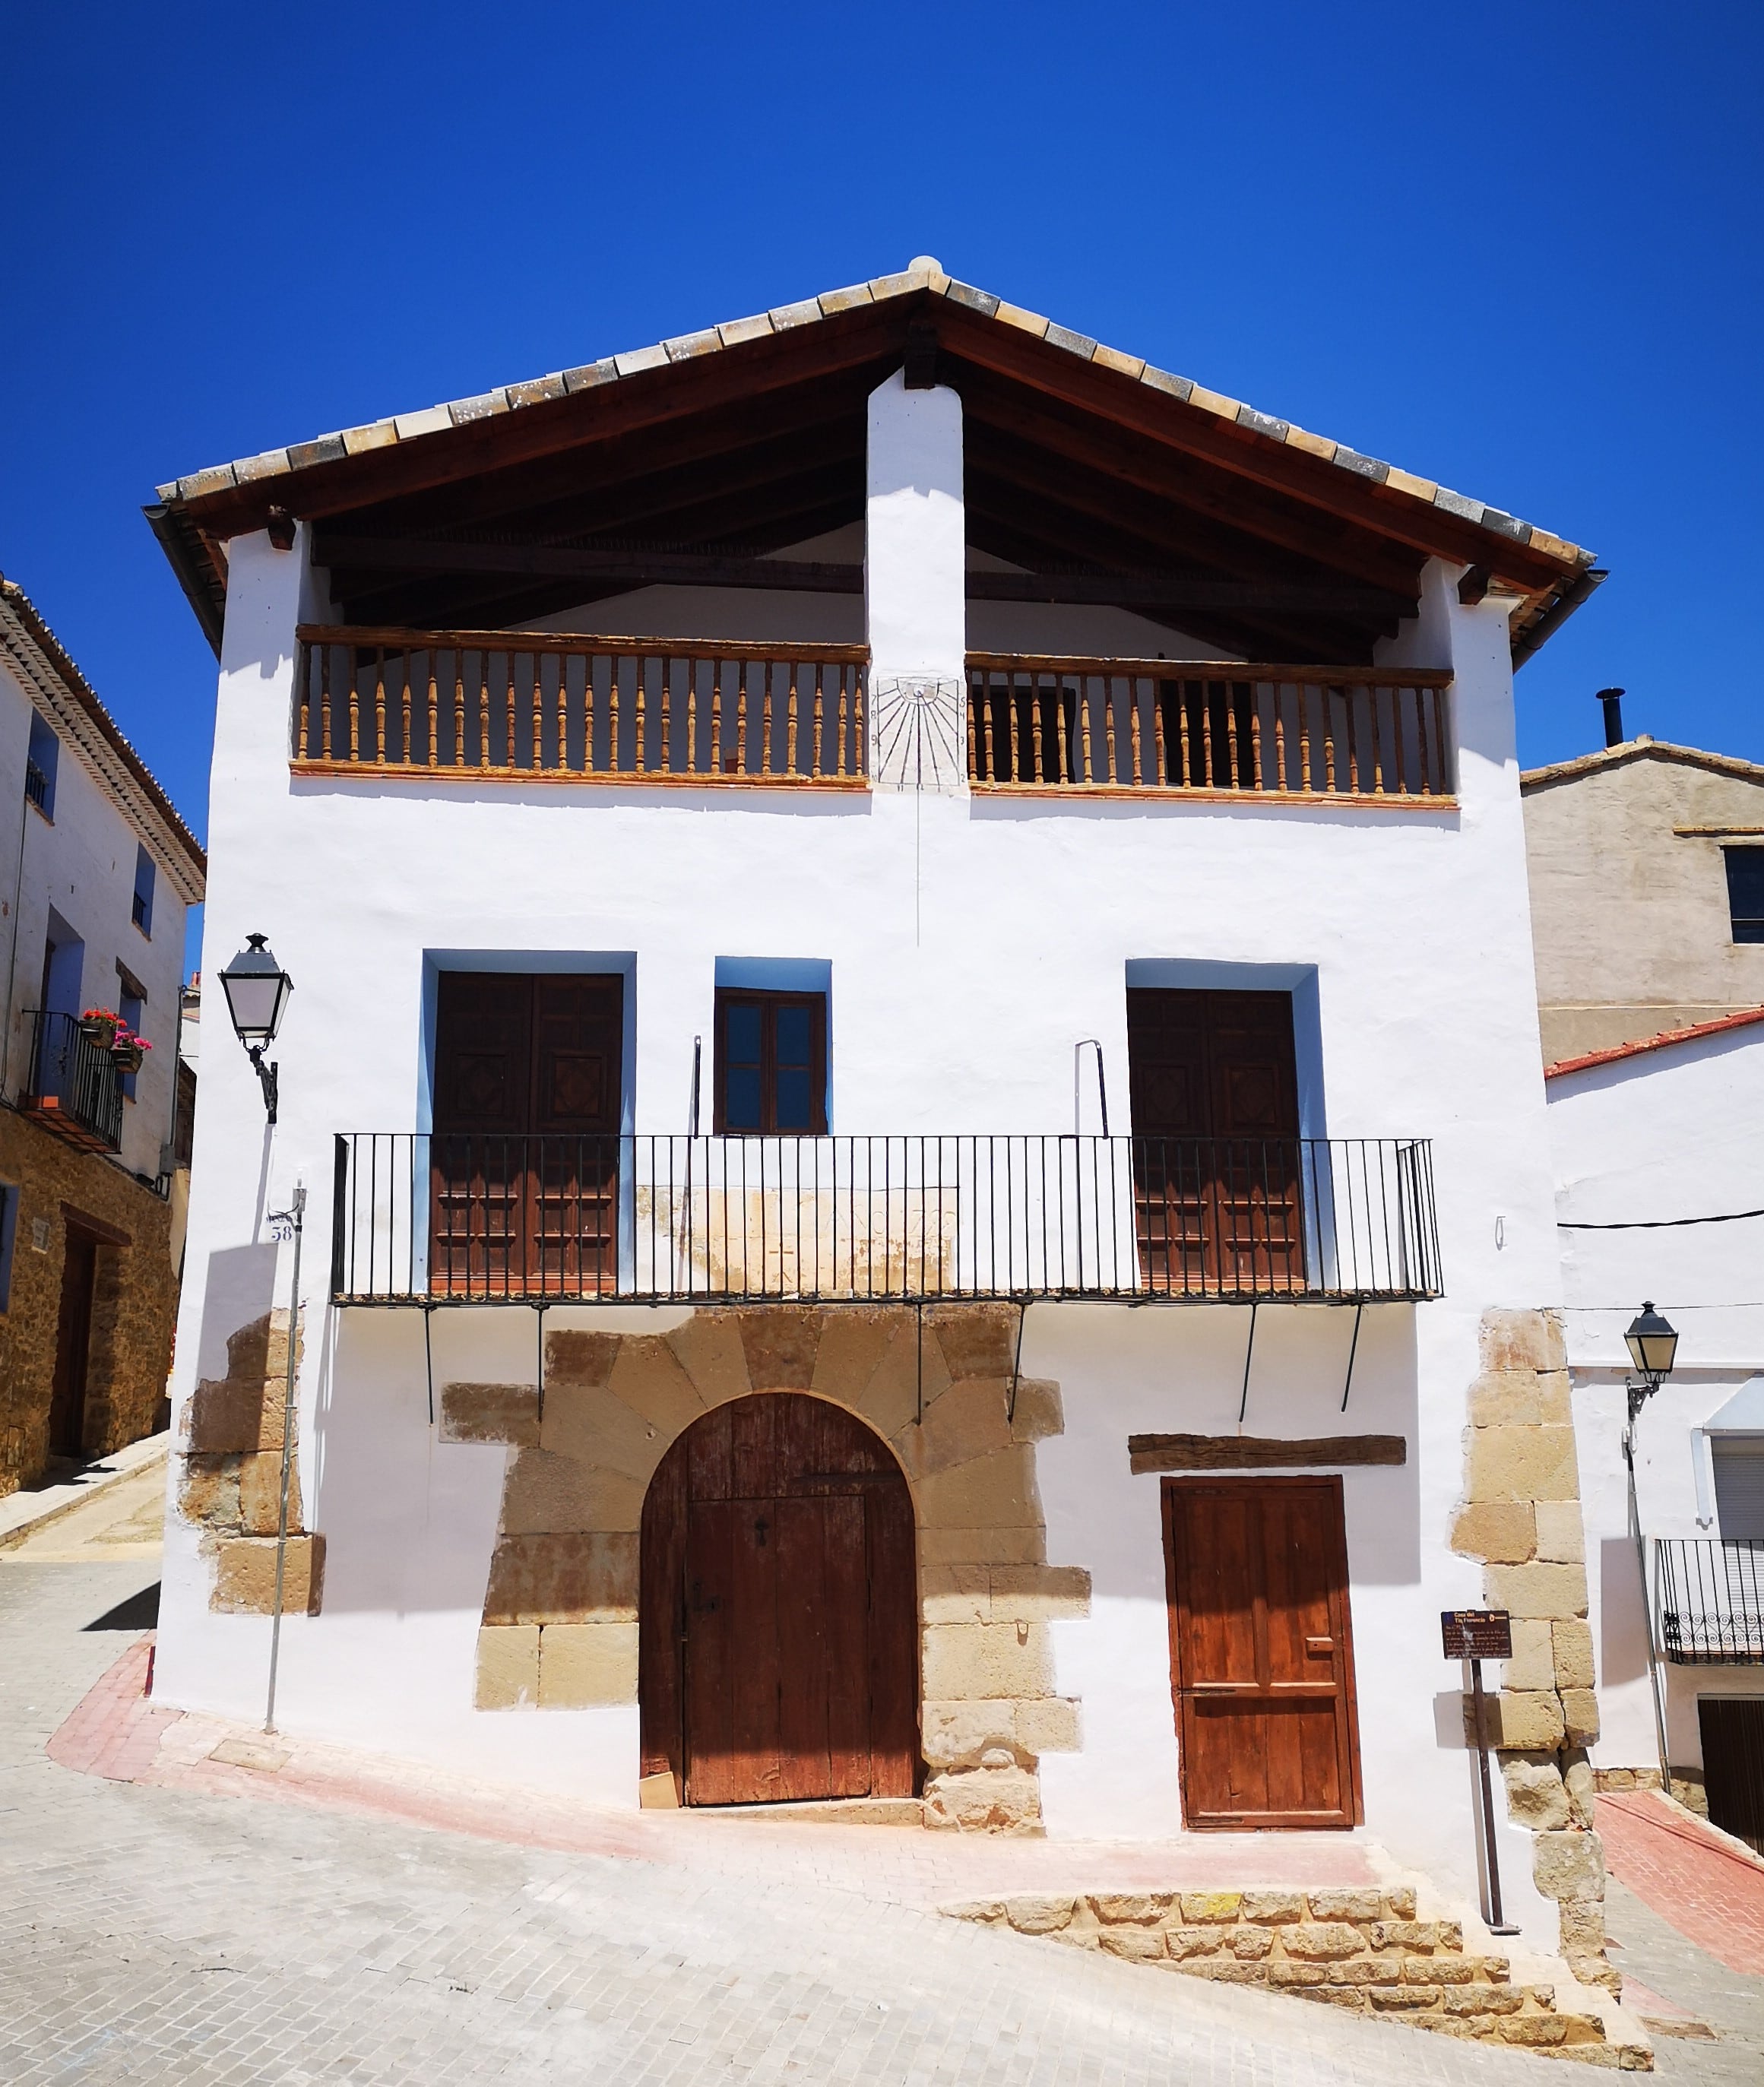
73 1346
778 1609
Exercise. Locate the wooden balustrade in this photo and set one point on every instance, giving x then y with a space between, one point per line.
1206 728
557 707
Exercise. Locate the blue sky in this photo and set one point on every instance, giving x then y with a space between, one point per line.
1513 248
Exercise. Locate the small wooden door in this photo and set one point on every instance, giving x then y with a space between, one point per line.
1213 1083
73 1346
1261 1652
778 1629
1732 1728
524 1153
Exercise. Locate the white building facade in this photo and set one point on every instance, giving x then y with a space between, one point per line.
716 1255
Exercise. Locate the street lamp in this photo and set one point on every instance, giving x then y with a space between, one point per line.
1652 1341
257 989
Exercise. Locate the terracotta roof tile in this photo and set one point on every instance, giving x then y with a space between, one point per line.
1667 1037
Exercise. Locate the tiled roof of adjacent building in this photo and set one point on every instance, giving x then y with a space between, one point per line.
57 686
1642 747
1614 1053
924 275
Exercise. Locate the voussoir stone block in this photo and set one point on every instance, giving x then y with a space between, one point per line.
708 1348
1519 1339
581 1665
650 1378
582 1577
961 1424
852 1347
489 1413
1502 1532
977 1340
580 1361
907 1378
1561 1532
780 1344
1527 1464
508 1667
591 1423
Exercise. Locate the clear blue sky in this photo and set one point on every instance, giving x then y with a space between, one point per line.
1513 247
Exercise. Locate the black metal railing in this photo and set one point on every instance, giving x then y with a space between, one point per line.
1712 1599
75 1079
477 1218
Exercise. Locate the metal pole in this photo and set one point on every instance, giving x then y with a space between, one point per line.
1636 1396
295 1216
1497 1920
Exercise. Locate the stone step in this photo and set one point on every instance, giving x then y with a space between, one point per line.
824 1810
1362 1950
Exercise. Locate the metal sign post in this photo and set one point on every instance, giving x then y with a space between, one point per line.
1475 1635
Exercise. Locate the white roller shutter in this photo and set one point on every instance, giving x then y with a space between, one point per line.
1739 1463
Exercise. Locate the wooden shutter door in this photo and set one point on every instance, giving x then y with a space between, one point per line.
1261 1657
572 1175
1252 1066
1170 1099
483 1044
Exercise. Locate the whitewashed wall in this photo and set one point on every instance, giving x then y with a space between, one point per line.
1667 1133
82 864
1416 925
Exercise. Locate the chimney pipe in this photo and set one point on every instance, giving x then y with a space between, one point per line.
1612 700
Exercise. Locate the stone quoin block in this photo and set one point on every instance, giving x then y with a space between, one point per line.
957 1734
1038 1593
245 1576
260 1493
985 1800
1506 1398
1501 1532
998 1491
1580 1715
1537 1795
1561 1532
1533 1664
1526 1464
208 1490
489 1413
1551 1591
1024 1544
955 1593
1038 1413
1525 1721
508 1667
1572 1643
562 1579
1050 1725
988 1660
1519 1339
583 1665
546 1494
1569 1865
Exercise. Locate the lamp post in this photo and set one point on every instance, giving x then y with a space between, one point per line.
1653 1345
257 989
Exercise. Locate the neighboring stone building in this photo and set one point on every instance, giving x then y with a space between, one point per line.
733 785
98 871
1647 864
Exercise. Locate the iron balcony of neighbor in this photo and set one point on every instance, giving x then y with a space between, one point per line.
1712 1599
482 1219
74 1088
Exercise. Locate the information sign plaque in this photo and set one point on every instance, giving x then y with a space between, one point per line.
1476 1633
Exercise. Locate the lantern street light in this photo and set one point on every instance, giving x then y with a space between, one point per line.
257 989
1652 1341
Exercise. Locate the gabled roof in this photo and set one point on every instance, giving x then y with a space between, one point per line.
1325 507
61 693
1617 1052
1641 749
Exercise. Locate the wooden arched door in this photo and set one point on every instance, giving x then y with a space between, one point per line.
778 1609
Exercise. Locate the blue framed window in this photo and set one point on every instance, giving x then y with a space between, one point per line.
9 1226
143 909
41 762
1745 892
131 1007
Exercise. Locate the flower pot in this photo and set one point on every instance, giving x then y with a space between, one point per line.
127 1056
100 1029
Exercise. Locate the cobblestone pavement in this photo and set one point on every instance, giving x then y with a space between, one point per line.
153 1934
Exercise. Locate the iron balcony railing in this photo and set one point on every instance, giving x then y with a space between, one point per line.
1712 1599
444 1218
73 1082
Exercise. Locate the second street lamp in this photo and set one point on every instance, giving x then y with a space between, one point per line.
1652 1341
257 989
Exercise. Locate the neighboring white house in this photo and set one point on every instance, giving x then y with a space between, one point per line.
98 870
736 1364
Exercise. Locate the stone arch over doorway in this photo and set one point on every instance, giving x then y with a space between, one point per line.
778 1609
561 1630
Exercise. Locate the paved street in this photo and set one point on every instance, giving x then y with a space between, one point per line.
152 1934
